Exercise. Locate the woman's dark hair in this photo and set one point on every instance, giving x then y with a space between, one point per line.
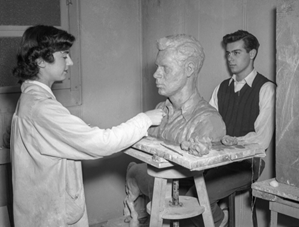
250 41
39 42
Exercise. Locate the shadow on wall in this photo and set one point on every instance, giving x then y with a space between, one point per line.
115 165
6 137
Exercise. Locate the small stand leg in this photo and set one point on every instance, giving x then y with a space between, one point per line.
203 199
175 199
158 202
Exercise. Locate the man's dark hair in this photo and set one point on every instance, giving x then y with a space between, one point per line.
250 41
39 41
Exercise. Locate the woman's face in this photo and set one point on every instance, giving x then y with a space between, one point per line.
57 70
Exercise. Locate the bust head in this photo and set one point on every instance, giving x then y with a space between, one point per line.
185 48
179 61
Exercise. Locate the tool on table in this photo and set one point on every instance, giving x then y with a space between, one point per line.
172 149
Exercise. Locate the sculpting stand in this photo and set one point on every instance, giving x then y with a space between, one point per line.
171 206
169 163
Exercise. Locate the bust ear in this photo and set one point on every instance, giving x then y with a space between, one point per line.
252 53
190 68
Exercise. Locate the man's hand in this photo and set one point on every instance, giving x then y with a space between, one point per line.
197 146
229 140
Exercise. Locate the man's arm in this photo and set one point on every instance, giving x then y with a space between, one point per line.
264 124
214 99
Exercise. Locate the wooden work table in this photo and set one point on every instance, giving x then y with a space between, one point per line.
168 163
283 198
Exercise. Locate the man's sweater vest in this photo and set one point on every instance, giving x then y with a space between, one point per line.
239 110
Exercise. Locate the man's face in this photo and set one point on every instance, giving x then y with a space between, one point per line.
238 59
170 75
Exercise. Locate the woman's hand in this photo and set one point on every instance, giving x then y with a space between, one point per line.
156 116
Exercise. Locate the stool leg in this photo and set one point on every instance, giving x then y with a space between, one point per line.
158 202
231 210
203 199
4 218
254 218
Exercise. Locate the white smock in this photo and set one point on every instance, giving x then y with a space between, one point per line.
47 144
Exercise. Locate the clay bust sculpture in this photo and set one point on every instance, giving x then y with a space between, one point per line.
189 117
190 121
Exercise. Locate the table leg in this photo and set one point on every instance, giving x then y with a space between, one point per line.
273 221
203 199
158 202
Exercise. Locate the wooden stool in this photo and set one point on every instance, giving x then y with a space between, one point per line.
232 209
282 199
258 166
164 164
173 207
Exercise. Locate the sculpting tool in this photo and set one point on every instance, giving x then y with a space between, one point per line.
172 149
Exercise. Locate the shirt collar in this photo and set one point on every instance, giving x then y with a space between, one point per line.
248 79
187 107
44 86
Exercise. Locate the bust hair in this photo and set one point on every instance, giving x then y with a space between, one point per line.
186 47
39 42
250 41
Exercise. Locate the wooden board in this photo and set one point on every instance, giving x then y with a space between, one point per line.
152 152
282 190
